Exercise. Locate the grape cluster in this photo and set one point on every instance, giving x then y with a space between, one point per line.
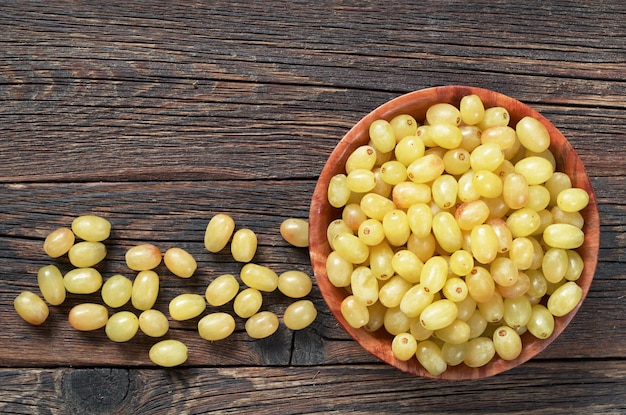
143 290
456 236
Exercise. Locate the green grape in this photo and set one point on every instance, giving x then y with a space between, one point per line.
403 125
382 135
537 253
407 194
536 170
461 262
564 299
532 134
338 191
364 285
444 191
425 169
447 231
294 284
168 353
380 259
487 183
477 323
457 332
88 316
480 351
117 291
575 266
523 222
335 228
456 161
480 284
395 321
554 264
153 323
143 257
396 227
504 271
392 292
248 302
492 309
541 323
471 137
82 280
257 276
488 156
86 254
434 274
31 308
517 311
438 314
447 136
218 232
364 157
556 184
420 218
187 306
454 354
338 270
122 326
572 218
563 235
91 228
58 242
538 197
376 206
538 283
261 325
381 187
243 245
424 247
503 233
484 243
404 346
443 113
466 308
376 317
430 357
180 262
393 172
471 214
502 135
494 116
521 253
145 290
471 109
418 331
519 288
371 232
51 286
467 192
409 149
515 191
216 326
299 314
353 215
415 300
360 180
507 343
354 312
407 265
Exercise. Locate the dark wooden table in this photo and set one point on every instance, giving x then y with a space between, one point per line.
158 115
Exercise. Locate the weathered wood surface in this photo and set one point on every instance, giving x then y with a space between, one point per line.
160 114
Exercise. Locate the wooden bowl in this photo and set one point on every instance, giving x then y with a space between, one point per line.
416 104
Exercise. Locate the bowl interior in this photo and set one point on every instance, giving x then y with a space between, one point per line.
322 213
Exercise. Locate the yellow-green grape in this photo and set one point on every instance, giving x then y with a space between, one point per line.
507 343
143 257
58 242
31 308
515 191
338 270
434 274
488 156
556 184
492 309
503 233
299 314
338 191
415 300
519 288
563 235
364 157
376 314
407 194
86 254
371 232
243 245
480 351
418 331
420 218
484 243
381 187
502 135
447 136
216 326
466 191
248 302
457 332
409 149
443 113
396 227
515 151
504 271
572 200
454 354
380 156
351 247
447 231
407 265
403 125
461 262
424 247
82 280
444 191
438 314
122 326
554 264
376 206
521 253
494 116
487 183
392 292
258 276
334 228
180 262
456 161
471 214
403 346
153 323
382 135
88 316
573 218
575 266
455 289
538 283
471 137
218 232
295 231
168 353
353 215
477 323
425 169
261 325
517 311
471 109
533 134
545 219
364 285
294 284
541 322
186 306
50 282
546 154
395 321
523 222
393 172
480 284
564 299
538 197
535 169
116 291
360 180
430 357
537 253
466 307
505 168
145 290
91 228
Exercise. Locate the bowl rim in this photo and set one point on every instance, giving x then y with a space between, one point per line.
319 247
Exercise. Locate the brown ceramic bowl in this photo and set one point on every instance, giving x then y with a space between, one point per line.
322 213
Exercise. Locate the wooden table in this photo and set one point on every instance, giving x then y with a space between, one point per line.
158 115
